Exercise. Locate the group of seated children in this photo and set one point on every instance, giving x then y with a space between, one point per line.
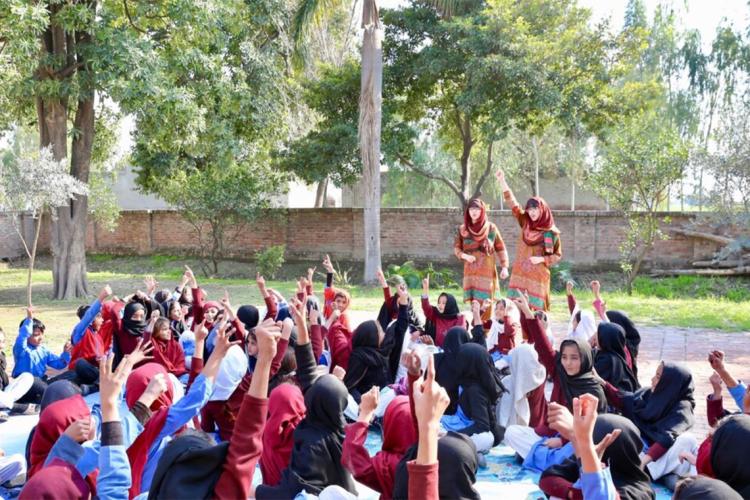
211 391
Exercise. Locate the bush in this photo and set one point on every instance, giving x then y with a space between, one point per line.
270 260
560 275
413 276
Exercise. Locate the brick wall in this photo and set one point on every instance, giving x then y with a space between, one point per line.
589 238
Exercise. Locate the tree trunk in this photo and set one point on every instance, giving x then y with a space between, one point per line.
320 193
68 238
32 257
370 111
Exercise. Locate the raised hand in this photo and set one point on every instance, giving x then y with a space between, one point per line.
716 359
150 283
607 440
403 296
201 332
191 277
584 416
260 281
80 430
596 288
413 364
327 265
222 340
500 176
715 380
310 274
142 352
157 386
268 334
339 372
426 285
560 419
105 292
504 273
110 385
369 404
522 301
569 287
430 400
381 278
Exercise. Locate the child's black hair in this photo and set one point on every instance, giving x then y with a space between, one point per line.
81 311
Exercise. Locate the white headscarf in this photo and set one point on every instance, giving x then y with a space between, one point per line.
526 374
233 367
497 327
586 327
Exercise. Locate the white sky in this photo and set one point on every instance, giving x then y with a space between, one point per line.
704 15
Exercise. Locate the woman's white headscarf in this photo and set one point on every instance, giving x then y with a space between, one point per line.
526 374
497 327
585 329
233 367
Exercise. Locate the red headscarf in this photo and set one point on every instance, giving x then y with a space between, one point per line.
398 435
59 479
170 355
138 381
286 409
533 231
138 451
480 229
52 424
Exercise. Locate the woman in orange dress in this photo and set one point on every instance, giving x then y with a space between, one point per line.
538 249
479 244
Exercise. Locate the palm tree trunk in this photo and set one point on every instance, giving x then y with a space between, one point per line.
370 111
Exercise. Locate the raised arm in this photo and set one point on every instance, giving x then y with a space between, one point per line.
429 314
571 298
510 200
246 447
303 351
90 314
354 455
537 336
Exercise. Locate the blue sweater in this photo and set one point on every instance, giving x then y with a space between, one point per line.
34 359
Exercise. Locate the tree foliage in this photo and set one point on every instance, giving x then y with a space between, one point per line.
642 157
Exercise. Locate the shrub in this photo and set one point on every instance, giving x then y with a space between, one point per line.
413 276
270 260
560 275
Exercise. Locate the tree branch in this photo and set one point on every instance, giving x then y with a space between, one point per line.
67 71
485 174
130 19
430 175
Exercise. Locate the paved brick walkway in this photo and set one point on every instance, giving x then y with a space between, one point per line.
687 345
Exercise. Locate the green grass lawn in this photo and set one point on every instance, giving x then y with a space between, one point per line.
708 303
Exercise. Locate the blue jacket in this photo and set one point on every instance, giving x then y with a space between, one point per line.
31 359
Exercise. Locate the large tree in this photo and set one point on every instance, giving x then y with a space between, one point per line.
62 61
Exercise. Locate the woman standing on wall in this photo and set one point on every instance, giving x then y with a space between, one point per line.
539 247
479 244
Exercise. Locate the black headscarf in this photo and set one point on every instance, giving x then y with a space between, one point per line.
131 326
318 441
610 361
584 382
632 337
457 469
665 412
704 488
446 368
367 364
475 366
189 467
57 391
729 452
384 316
249 316
451 310
622 457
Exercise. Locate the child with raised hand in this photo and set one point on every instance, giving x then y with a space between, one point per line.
442 317
145 452
335 299
596 482
88 344
59 478
11 390
737 389
30 356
